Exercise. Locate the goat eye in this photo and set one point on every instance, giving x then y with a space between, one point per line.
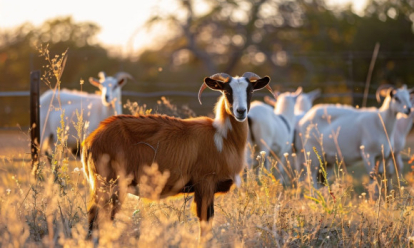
397 99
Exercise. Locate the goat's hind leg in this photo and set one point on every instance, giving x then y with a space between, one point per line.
93 210
103 206
98 210
117 198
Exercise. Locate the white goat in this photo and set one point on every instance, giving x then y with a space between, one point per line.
342 133
273 129
95 108
200 155
304 103
402 128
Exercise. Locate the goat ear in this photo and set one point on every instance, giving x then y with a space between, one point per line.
269 100
391 92
299 91
385 92
314 94
121 82
95 82
214 84
261 83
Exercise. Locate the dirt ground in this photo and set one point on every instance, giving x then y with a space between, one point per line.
14 144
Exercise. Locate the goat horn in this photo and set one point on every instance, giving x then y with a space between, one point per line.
380 88
299 90
102 76
251 76
202 88
271 91
221 77
124 75
224 77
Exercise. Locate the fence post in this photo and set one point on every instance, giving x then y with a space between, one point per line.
34 119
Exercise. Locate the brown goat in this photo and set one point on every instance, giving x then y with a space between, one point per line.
203 156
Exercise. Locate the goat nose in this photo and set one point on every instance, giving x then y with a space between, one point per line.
408 111
241 110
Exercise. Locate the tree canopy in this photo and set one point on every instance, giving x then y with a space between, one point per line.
301 42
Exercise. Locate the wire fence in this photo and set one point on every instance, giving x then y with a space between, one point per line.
212 94
187 94
15 111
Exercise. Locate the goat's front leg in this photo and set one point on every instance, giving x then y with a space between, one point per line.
399 161
369 162
373 171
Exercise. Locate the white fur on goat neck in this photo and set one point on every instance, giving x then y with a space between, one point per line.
222 127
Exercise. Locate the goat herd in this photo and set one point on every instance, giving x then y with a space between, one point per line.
205 156
342 134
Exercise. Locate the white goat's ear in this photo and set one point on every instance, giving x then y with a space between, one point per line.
214 84
298 91
121 82
95 82
314 94
391 92
269 100
122 78
102 76
385 92
261 83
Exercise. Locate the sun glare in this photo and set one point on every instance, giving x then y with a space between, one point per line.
357 5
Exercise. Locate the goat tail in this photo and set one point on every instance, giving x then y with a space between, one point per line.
89 167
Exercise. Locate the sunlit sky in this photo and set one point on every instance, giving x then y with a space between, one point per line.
121 21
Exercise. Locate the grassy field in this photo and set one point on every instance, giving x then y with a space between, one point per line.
261 213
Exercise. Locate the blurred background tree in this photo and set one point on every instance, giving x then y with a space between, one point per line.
302 42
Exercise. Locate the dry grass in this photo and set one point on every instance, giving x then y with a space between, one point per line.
261 213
